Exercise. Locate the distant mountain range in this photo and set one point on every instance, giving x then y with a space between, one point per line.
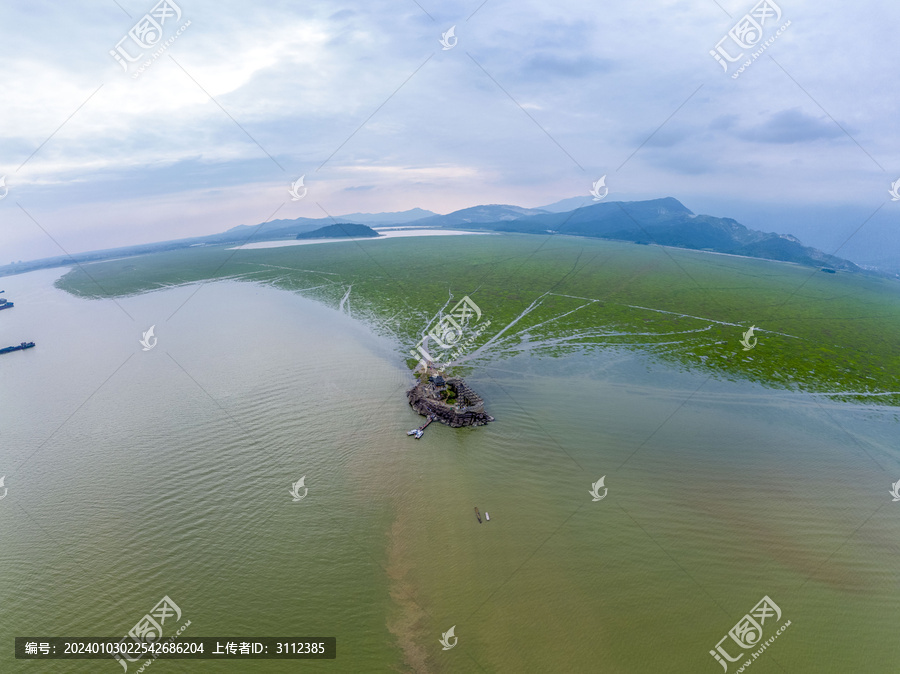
395 218
276 229
665 222
478 215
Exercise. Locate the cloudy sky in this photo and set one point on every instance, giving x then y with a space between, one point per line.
534 101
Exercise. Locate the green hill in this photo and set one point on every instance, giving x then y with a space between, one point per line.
667 222
338 231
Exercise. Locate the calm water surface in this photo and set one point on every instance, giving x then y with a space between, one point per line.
135 474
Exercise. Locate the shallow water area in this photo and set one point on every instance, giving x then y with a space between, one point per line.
385 233
135 474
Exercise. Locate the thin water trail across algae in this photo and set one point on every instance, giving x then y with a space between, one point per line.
834 334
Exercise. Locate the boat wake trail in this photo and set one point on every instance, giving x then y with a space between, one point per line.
551 324
345 300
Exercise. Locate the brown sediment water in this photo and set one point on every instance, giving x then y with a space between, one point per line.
407 622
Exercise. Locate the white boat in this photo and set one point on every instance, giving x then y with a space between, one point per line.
419 433
412 432
486 516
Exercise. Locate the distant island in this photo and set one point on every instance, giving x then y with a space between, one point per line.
339 231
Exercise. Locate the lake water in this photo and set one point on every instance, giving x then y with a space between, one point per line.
134 475
385 232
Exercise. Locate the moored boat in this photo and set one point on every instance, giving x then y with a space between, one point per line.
20 347
420 431
478 515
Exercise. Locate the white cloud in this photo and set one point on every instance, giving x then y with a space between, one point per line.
302 79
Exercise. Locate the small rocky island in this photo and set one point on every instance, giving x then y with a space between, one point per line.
340 230
449 401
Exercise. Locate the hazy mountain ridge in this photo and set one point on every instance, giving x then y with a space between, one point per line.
274 228
664 221
290 228
667 222
391 218
477 215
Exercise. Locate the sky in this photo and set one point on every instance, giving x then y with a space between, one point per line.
529 103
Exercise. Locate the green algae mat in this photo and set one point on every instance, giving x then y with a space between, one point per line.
833 334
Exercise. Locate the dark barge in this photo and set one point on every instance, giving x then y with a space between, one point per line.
20 347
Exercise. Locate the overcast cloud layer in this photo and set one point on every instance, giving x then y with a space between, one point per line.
534 102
